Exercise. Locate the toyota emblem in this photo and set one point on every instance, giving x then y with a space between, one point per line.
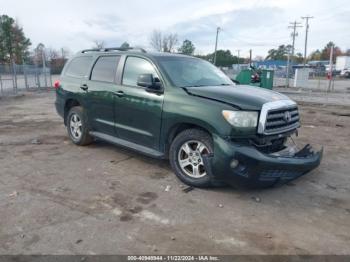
287 117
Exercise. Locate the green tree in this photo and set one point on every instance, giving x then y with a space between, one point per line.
187 47
315 55
298 58
125 45
281 53
13 43
326 51
223 58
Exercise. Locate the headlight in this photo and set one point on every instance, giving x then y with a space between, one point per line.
241 118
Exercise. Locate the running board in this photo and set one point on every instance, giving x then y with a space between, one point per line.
121 142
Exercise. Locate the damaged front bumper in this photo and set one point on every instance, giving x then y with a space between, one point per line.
244 165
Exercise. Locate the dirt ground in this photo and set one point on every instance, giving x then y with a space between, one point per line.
58 198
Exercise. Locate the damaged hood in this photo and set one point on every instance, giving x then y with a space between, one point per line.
241 96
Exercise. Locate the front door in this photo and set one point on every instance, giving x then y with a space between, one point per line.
138 112
100 92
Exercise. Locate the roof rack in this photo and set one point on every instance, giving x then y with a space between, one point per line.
113 49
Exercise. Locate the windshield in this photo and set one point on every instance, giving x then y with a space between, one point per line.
188 71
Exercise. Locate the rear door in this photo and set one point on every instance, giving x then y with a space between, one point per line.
100 89
138 112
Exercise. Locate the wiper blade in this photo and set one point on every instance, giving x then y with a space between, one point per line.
223 84
193 86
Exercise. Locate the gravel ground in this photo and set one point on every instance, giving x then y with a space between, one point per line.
58 198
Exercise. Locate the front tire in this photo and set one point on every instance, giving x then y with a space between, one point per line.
77 126
186 157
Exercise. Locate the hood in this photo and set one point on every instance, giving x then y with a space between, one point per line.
241 96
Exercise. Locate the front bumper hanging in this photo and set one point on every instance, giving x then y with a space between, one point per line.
243 165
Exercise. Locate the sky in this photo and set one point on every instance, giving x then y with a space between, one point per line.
246 24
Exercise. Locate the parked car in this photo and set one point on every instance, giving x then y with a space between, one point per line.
345 73
186 110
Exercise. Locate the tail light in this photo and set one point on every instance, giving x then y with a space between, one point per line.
56 84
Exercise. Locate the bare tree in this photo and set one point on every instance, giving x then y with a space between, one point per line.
99 44
164 43
169 42
52 54
38 54
156 40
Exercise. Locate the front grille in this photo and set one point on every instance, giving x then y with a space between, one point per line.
282 120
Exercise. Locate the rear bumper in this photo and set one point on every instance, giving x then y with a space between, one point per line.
59 105
256 169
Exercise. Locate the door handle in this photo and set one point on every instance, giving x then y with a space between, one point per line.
119 93
84 87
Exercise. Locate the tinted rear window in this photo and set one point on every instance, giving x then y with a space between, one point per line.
79 66
105 69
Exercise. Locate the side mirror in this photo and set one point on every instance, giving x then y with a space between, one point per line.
150 83
145 80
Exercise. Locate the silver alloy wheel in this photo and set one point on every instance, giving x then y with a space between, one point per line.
190 158
75 126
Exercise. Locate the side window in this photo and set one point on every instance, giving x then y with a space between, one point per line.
135 66
79 66
105 69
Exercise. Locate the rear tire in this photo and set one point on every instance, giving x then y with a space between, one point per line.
186 160
77 126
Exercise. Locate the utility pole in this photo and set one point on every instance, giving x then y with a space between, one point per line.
238 51
330 73
287 73
216 43
44 63
306 34
250 57
294 25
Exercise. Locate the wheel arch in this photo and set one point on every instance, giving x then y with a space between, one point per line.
70 102
178 128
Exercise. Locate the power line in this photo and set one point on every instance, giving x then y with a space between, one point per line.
306 34
242 39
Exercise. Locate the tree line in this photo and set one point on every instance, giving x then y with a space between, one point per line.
168 42
281 53
14 48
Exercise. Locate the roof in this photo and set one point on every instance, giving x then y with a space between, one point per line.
130 50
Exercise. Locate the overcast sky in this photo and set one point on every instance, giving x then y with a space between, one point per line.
256 24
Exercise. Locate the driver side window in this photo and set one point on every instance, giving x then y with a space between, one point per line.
135 66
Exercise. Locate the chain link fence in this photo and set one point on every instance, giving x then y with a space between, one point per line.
15 78
317 80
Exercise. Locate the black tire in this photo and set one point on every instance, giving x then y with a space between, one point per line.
84 138
185 137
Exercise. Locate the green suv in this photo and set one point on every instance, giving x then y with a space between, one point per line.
186 110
